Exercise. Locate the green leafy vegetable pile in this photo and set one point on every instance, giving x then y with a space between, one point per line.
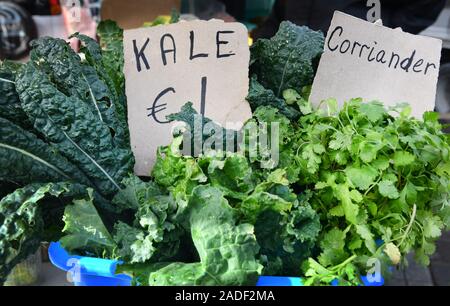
65 140
374 176
378 179
63 129
208 220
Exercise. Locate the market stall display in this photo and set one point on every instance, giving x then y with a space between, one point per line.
352 185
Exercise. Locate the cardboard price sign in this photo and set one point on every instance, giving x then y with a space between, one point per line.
373 62
203 62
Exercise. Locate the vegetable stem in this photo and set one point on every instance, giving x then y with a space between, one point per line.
408 228
7 81
35 158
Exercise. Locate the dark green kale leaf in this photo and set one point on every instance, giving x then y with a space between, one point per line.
27 159
288 60
73 78
95 58
9 99
260 96
286 228
7 187
72 127
111 42
200 129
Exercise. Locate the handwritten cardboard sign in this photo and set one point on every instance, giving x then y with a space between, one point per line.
373 62
204 62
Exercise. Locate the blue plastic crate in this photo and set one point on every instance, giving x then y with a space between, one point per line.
87 271
90 271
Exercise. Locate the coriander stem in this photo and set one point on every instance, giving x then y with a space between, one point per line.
373 185
348 260
408 228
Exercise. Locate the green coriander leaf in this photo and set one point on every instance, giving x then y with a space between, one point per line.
363 177
432 225
291 96
403 158
337 211
355 243
356 196
340 141
373 110
381 163
388 189
368 152
332 246
364 232
350 209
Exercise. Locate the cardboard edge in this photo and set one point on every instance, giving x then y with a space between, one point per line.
359 20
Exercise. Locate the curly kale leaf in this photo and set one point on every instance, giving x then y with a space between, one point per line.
154 226
135 193
259 96
23 222
84 229
179 174
286 228
232 175
152 236
263 154
227 250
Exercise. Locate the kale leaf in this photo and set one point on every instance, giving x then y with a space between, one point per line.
23 220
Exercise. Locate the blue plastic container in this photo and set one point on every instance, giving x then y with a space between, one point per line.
297 281
89 271
279 281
